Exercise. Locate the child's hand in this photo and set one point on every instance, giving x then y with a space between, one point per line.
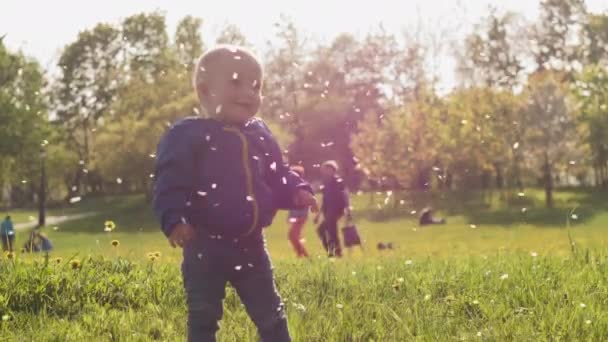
182 233
304 198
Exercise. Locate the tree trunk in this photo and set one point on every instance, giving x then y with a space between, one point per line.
548 180
449 179
499 177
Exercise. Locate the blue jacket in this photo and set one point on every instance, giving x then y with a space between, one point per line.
6 228
221 179
335 198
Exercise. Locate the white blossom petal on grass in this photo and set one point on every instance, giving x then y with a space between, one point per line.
504 276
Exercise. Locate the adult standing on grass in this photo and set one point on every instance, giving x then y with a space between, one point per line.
7 231
335 205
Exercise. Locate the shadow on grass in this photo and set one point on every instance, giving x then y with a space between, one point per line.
504 209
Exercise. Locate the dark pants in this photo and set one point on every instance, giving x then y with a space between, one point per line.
211 263
8 242
328 232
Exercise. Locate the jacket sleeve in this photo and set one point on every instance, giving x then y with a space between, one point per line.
284 182
174 174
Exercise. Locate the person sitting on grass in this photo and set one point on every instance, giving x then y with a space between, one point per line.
38 242
426 218
219 183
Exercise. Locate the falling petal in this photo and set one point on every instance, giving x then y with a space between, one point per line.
75 199
238 267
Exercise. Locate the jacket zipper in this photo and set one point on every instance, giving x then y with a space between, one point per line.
248 178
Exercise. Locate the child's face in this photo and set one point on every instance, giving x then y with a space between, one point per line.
232 88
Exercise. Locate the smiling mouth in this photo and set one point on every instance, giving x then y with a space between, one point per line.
243 105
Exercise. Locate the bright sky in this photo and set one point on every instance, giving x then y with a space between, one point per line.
41 28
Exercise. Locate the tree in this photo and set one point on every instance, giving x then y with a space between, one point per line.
551 126
551 38
145 44
188 41
596 34
231 34
399 149
591 93
490 56
87 85
23 123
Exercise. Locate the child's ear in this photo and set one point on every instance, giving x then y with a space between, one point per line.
203 90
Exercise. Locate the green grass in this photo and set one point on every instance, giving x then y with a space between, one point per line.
452 289
515 297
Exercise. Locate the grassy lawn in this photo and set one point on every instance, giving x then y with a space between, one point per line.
495 272
473 228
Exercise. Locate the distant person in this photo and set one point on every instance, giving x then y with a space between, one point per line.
297 218
335 205
7 233
219 182
38 242
426 218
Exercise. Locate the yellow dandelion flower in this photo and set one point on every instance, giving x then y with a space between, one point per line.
75 263
57 260
109 226
157 254
10 255
115 243
151 257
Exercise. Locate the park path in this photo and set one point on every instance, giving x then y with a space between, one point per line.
50 220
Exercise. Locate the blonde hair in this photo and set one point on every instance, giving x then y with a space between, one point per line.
206 59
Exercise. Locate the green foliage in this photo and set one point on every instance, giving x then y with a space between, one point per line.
23 121
591 93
